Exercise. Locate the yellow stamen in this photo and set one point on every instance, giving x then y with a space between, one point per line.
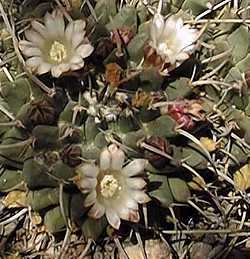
109 185
58 52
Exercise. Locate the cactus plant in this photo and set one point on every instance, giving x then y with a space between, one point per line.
117 82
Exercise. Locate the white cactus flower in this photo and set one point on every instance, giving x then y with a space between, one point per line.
112 189
172 40
55 47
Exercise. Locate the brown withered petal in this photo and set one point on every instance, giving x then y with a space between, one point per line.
151 57
160 143
70 155
42 112
113 74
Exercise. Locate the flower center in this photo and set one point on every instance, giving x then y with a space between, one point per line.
58 52
109 185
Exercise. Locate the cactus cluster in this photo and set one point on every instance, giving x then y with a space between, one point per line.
133 110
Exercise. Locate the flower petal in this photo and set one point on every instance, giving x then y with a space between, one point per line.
26 44
69 31
171 56
77 66
59 20
76 59
123 212
86 184
96 211
77 39
74 28
50 24
76 62
117 157
54 24
113 218
28 49
126 201
136 183
175 42
105 159
79 26
57 70
170 30
156 28
134 216
33 63
131 203
126 212
88 170
40 28
182 56
34 37
190 36
140 196
179 24
135 167
90 199
84 50
43 68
